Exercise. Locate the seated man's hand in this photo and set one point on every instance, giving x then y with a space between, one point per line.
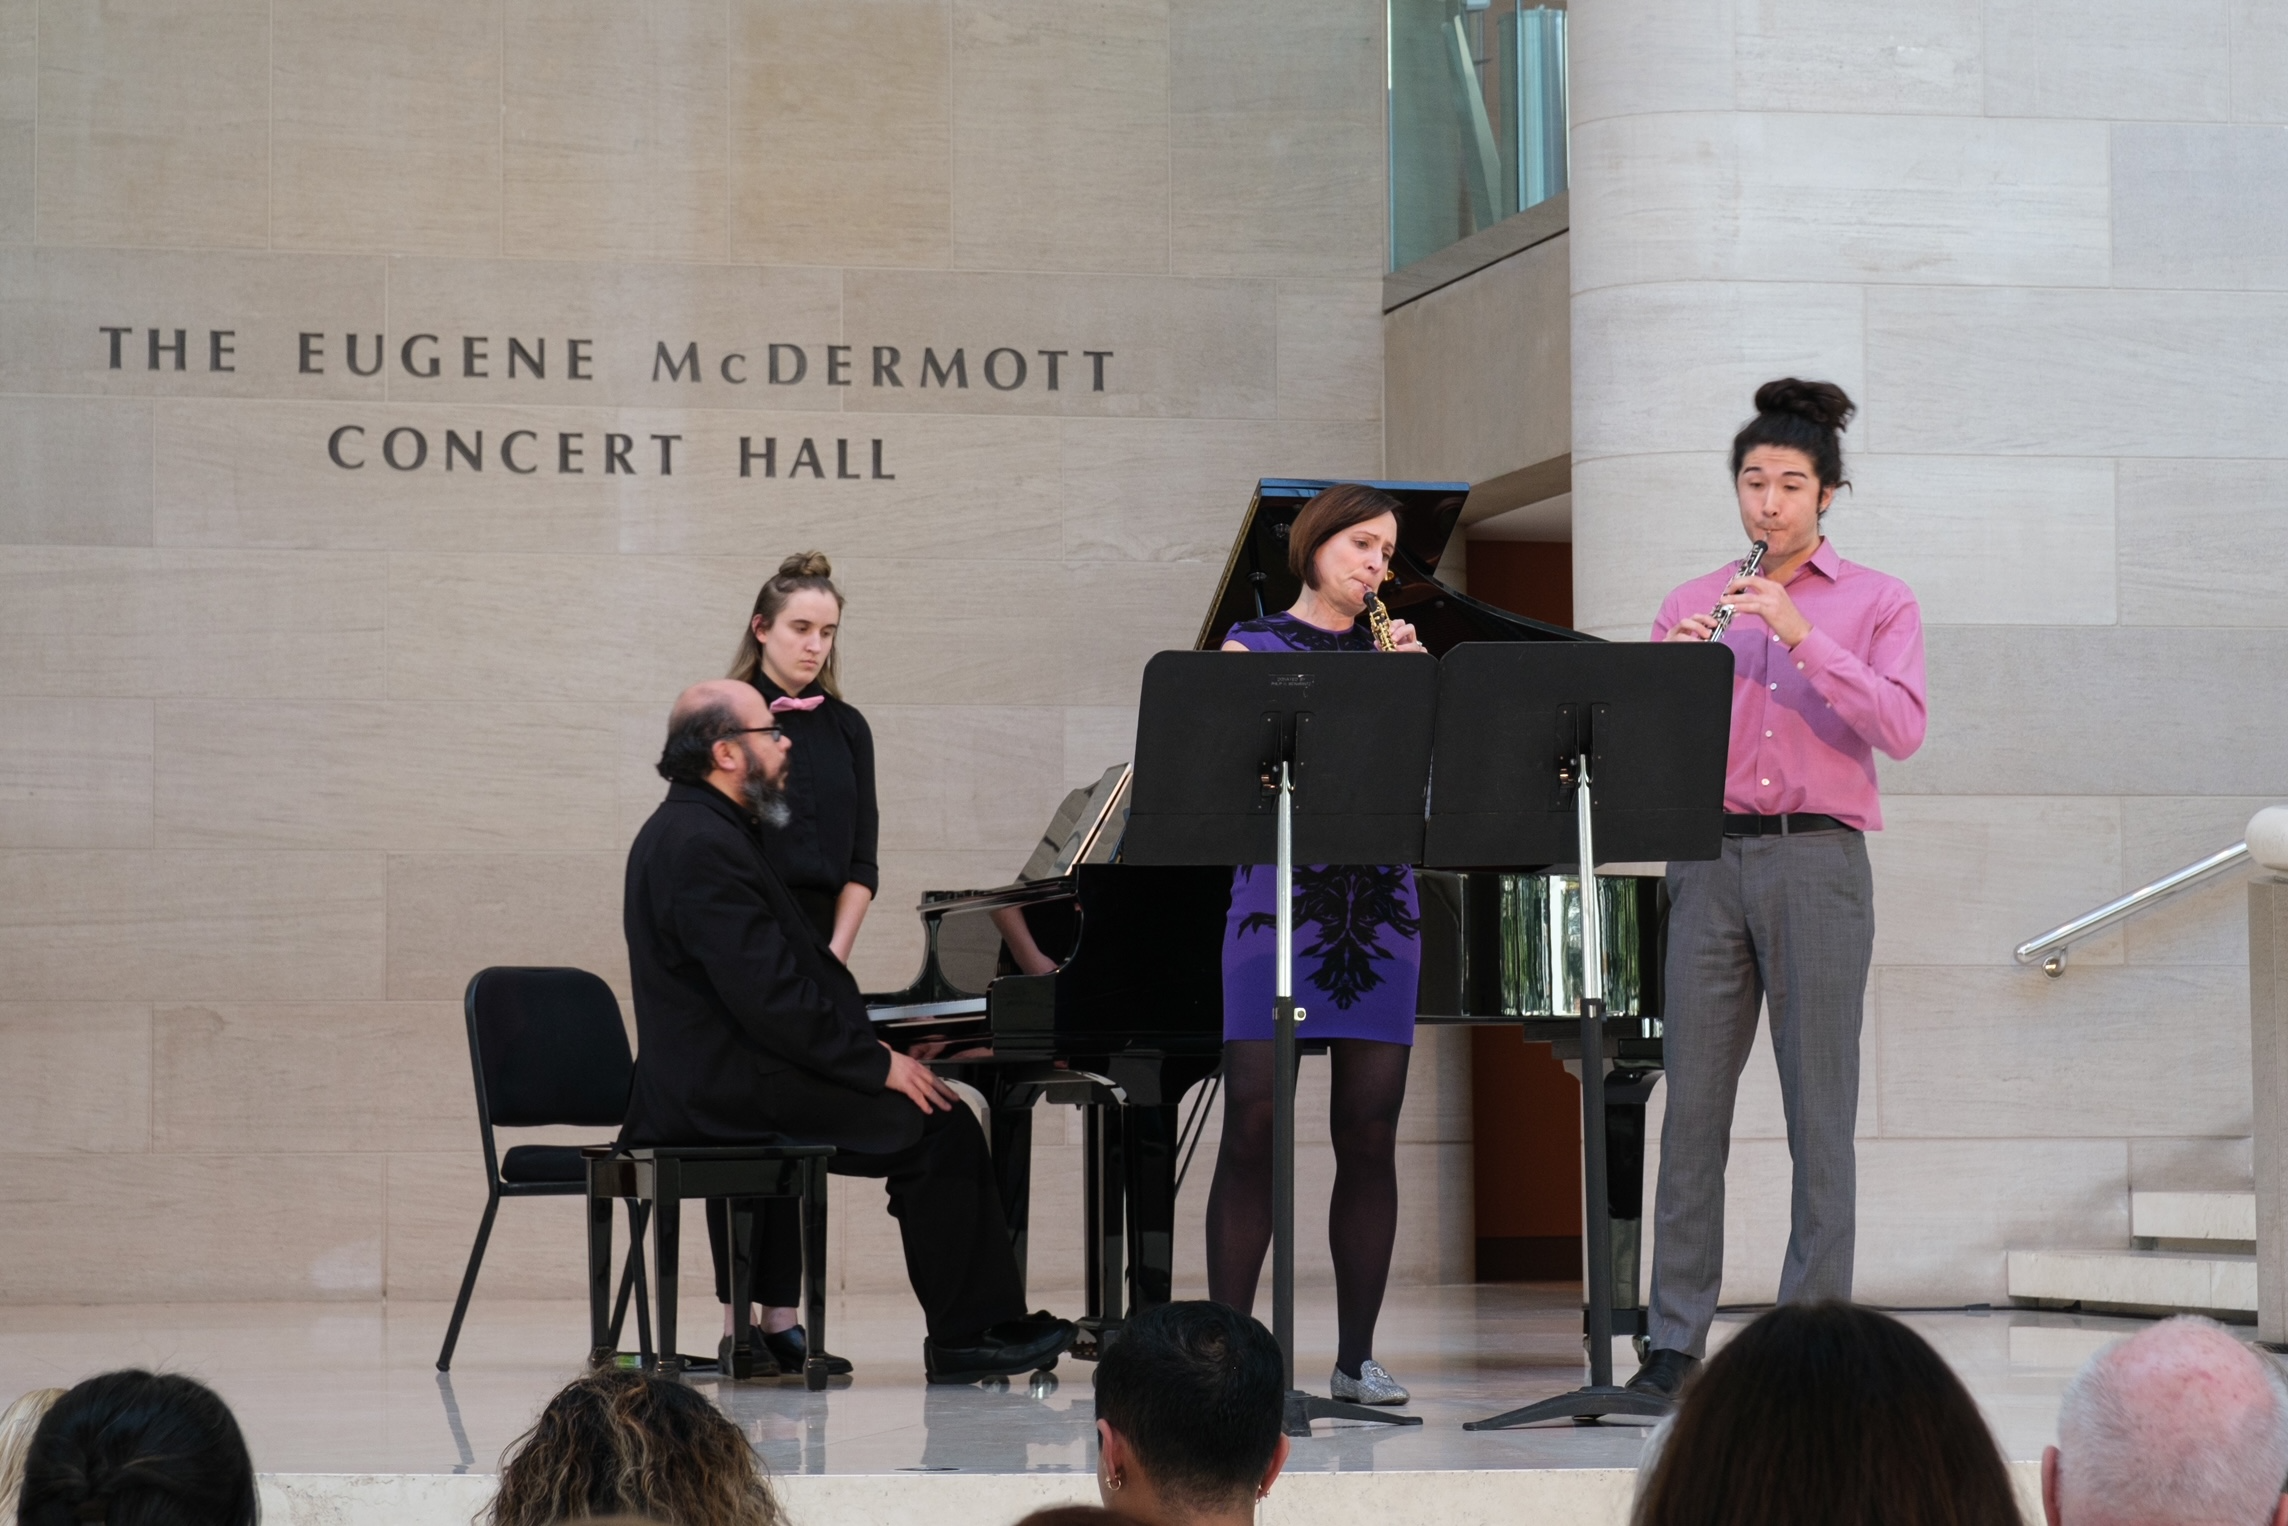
919 1084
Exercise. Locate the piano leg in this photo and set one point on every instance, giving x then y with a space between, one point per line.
1150 1147
1104 1210
1013 1164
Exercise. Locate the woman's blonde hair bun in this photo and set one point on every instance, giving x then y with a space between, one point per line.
806 564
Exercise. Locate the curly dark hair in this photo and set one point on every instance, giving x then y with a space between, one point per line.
618 1442
138 1448
1809 416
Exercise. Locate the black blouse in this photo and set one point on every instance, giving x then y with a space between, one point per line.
830 842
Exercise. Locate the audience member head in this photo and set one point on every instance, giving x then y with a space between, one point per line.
722 734
627 1443
138 1449
17 1423
1074 1515
1189 1402
1823 1414
2179 1424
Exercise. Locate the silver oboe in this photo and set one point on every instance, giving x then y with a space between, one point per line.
1748 565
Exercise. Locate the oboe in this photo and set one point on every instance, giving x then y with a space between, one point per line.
1378 621
1747 569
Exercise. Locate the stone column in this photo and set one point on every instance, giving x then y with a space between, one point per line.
2268 1054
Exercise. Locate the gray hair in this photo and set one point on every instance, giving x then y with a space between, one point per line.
2173 1425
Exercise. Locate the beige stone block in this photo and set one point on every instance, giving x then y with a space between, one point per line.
1330 349
85 1227
387 124
2049 58
841 132
101 621
1922 1239
1479 373
453 914
156 123
1803 196
2259 62
650 335
1277 193
336 774
80 472
19 101
1124 614
2014 1054
539 1246
1962 530
2190 1165
1642 524
1060 132
615 130
1660 55
2027 371
1183 347
2098 710
1660 368
2207 924
1097 737
1175 489
2176 517
240 318
998 478
2182 212
481 628
277 1078
176 926
1817 55
75 773
966 777
1961 879
76 1076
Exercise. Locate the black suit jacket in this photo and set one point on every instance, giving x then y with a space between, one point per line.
736 996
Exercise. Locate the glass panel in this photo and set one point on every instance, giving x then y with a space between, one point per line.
1477 117
1541 945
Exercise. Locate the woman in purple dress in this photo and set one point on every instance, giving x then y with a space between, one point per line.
1358 952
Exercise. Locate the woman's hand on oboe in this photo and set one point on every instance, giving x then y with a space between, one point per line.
1403 638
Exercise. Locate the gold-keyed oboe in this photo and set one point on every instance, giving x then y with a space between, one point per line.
1722 614
1378 621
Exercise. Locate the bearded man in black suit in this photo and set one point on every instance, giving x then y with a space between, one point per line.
749 1029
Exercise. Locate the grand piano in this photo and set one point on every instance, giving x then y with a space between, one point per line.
1099 984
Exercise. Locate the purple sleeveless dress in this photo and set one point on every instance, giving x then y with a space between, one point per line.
1358 938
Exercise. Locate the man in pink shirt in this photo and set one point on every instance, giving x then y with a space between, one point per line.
1827 667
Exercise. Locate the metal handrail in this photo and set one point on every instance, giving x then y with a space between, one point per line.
2050 948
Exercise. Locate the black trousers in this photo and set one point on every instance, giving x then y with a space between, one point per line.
776 1252
939 1175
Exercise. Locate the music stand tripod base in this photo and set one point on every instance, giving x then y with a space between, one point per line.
1583 1406
1303 1408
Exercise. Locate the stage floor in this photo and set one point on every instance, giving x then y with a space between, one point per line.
328 1390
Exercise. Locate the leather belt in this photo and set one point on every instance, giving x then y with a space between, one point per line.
1782 826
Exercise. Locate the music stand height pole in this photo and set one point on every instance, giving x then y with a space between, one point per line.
1285 1016
1597 1226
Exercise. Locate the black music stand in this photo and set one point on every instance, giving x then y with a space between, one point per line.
1524 732
1252 758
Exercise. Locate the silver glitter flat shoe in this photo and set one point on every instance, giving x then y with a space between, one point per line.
1372 1385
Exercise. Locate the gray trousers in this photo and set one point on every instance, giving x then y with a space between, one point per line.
1789 921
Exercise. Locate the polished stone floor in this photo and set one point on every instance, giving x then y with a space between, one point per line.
351 1388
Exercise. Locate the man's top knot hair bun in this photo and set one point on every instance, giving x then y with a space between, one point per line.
806 564
1799 415
1823 403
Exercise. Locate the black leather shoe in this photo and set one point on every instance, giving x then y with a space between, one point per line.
1032 1344
760 1362
791 1347
1664 1373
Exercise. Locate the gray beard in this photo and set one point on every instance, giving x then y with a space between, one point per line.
766 802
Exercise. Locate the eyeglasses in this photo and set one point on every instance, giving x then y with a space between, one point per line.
768 731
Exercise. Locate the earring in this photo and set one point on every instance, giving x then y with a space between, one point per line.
1114 1482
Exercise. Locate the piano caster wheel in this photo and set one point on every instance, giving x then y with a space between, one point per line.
814 1374
998 1384
1043 1384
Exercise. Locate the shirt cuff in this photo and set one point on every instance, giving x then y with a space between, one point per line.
1816 652
867 875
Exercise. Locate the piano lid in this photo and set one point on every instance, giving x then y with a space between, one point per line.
1256 580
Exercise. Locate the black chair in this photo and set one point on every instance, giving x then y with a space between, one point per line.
657 1182
546 1046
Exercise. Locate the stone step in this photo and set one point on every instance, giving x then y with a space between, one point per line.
2144 1280
2193 1215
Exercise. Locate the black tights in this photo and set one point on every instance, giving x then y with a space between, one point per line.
1362 1215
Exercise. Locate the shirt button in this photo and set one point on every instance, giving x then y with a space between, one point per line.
1775 686
1799 664
1767 733
1765 782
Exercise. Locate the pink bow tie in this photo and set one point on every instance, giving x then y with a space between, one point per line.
782 704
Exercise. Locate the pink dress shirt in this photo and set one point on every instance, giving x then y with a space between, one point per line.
1805 723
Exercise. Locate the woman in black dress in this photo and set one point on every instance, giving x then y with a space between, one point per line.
825 856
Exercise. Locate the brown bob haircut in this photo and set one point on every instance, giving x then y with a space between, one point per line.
1824 1414
1328 515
